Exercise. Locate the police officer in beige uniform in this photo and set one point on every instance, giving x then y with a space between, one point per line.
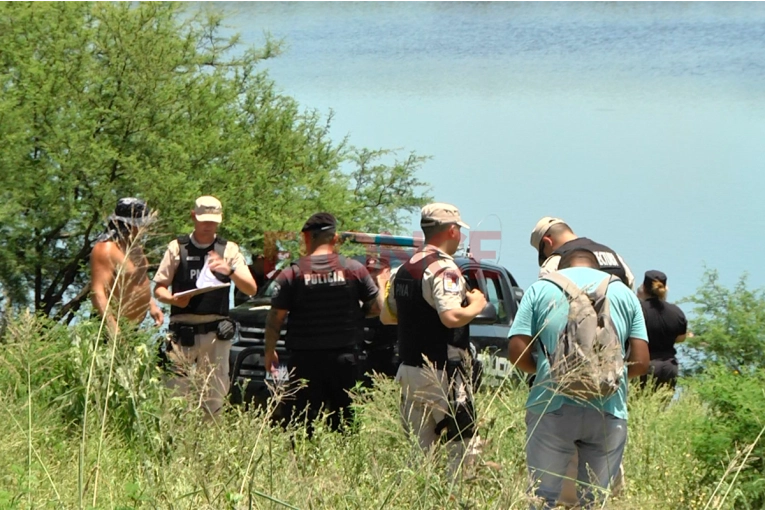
199 350
425 297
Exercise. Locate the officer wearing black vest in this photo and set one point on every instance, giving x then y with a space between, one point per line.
428 299
553 239
327 297
201 331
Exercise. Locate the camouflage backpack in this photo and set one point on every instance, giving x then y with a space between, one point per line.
587 362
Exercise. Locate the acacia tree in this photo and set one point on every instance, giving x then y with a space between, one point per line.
102 100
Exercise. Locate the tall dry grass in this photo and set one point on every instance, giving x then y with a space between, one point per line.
140 447
88 424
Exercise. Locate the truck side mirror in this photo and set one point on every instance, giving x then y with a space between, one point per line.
487 316
518 294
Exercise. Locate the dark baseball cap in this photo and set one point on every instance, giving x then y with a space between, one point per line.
132 211
321 221
654 276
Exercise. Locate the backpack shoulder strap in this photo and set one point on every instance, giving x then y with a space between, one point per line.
184 239
565 283
602 288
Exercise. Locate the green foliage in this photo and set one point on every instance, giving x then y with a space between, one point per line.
729 354
728 324
119 381
102 100
728 442
657 452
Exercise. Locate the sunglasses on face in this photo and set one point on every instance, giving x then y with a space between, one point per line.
541 251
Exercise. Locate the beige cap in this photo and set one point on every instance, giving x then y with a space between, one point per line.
541 229
440 214
208 208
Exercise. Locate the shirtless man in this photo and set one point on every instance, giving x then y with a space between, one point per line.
118 261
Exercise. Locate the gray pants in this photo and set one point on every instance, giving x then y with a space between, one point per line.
552 439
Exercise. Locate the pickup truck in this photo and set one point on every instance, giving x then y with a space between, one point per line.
248 373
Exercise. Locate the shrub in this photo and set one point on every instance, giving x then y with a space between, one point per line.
730 442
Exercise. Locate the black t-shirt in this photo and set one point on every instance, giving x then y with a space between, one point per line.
664 323
322 294
378 335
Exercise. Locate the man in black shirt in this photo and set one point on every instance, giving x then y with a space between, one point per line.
327 297
553 239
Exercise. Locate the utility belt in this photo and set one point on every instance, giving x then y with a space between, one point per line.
184 334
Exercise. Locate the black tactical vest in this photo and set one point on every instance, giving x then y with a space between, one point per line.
607 258
420 330
215 302
325 312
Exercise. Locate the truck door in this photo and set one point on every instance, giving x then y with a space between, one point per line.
492 343
498 294
481 335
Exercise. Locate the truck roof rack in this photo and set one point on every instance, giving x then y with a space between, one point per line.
371 239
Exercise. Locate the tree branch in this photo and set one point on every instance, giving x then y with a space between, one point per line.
73 267
67 311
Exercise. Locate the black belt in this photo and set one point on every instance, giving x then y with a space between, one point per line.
199 329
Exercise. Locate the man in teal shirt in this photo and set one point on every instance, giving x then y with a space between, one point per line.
557 426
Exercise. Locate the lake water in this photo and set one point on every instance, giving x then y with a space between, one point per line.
640 124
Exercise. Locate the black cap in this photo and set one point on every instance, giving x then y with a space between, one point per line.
654 276
132 211
322 221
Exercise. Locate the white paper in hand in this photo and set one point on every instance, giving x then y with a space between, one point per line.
206 281
206 278
281 376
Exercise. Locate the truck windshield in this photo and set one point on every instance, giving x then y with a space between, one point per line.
268 289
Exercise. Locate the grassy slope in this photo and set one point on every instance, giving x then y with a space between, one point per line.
152 451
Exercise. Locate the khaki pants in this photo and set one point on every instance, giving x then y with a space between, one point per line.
201 371
424 403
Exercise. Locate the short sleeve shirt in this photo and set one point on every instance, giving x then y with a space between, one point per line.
664 322
542 315
443 286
